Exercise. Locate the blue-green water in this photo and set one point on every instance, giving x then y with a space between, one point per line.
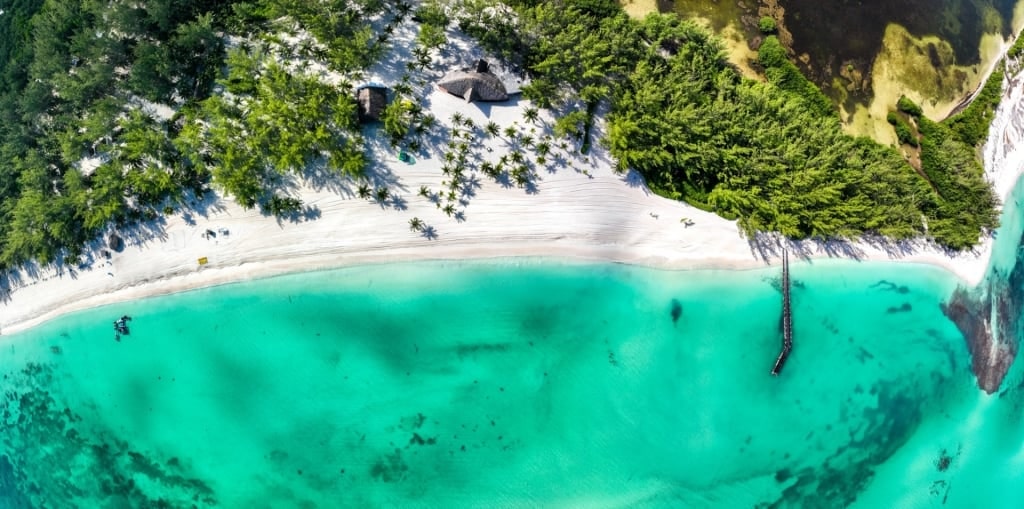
515 383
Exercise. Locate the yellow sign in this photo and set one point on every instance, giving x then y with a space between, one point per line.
203 261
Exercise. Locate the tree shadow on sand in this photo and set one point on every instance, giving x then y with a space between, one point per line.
769 246
634 179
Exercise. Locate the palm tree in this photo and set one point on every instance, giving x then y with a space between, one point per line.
363 191
521 175
492 129
457 118
416 224
424 191
449 209
381 193
510 132
531 114
402 89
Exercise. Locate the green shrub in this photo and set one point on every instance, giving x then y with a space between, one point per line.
971 124
767 25
1017 49
785 75
432 13
904 133
281 206
909 107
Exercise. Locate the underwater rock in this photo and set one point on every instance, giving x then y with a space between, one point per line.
677 310
989 318
992 350
904 308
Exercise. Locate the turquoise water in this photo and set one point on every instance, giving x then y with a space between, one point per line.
515 383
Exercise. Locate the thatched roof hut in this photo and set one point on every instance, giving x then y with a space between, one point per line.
475 85
372 100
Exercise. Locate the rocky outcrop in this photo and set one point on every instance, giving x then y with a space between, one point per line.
989 316
990 336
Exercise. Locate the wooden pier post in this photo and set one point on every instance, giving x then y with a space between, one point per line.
787 317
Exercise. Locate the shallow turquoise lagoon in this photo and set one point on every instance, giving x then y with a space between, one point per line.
513 383
518 383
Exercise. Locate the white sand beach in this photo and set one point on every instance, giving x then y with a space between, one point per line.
601 216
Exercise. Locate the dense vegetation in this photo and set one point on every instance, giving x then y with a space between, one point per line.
771 154
964 201
75 77
83 145
971 124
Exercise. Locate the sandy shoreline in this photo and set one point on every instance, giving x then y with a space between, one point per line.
601 217
581 209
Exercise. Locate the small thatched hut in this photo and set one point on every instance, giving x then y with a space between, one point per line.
372 99
475 85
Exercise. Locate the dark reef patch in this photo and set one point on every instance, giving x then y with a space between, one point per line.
676 311
903 308
390 468
48 460
892 287
843 475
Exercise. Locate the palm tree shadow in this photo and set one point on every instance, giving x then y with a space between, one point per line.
320 177
398 203
429 233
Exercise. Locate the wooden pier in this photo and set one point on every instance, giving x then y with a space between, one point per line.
787 317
